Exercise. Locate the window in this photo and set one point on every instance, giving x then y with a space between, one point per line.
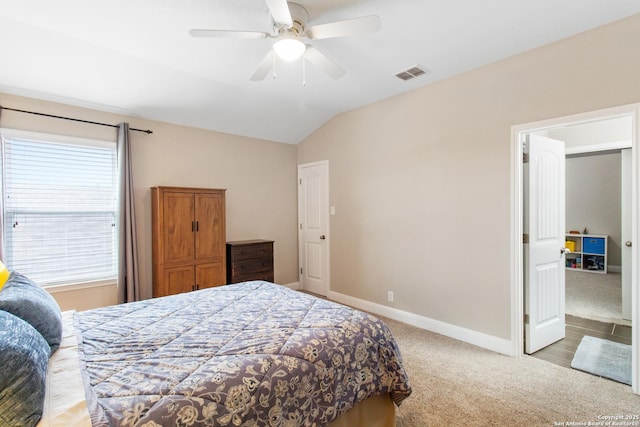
59 207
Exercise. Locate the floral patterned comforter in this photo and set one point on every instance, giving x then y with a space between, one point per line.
248 354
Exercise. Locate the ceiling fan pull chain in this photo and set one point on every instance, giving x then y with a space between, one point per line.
304 71
273 66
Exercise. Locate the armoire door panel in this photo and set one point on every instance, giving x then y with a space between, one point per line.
179 279
209 217
210 275
178 227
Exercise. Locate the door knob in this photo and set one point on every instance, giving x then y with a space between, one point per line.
322 237
627 243
565 251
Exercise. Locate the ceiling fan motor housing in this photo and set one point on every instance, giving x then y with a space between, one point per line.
299 16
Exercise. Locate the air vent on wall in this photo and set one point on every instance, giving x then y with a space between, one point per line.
412 72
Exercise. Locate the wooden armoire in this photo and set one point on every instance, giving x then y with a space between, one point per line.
188 239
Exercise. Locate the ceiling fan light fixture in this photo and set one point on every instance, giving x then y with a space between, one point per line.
289 49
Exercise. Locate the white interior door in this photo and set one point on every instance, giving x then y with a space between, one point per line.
626 232
544 260
313 226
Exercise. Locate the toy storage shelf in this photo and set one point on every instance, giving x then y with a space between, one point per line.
588 252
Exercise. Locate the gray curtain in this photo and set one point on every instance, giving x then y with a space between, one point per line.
1 205
128 267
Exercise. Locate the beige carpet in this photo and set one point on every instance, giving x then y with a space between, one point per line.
457 384
594 296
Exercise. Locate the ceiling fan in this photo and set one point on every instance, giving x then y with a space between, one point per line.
291 33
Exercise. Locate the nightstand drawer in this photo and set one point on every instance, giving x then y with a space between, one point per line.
252 265
252 251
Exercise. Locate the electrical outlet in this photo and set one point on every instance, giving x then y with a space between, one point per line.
390 296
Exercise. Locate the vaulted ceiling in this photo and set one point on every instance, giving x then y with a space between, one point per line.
136 57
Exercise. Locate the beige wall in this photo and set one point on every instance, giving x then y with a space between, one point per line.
421 182
593 198
260 178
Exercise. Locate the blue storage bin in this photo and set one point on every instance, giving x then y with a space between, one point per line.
593 245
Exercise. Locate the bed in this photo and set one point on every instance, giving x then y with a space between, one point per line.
248 354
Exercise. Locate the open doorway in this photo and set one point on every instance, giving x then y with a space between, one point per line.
561 128
598 209
597 177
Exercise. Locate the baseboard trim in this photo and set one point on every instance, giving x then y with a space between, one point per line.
293 285
614 268
489 342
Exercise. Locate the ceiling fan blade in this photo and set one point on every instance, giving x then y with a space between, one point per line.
265 66
365 24
320 60
279 10
228 34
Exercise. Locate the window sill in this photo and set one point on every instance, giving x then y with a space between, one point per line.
52 289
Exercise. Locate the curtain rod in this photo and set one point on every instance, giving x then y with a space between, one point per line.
72 119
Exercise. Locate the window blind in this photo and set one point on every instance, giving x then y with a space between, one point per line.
59 210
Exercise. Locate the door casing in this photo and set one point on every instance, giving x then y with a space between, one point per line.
517 261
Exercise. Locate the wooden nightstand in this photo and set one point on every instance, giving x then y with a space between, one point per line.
249 260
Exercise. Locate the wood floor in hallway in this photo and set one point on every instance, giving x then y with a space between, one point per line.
561 353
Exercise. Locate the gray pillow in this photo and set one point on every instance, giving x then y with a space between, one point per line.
25 299
24 355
